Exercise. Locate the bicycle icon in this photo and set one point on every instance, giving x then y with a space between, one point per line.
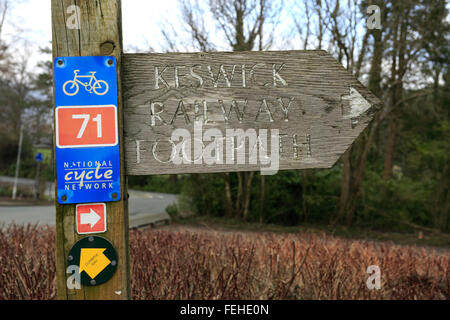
99 87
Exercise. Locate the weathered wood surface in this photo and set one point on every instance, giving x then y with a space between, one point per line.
100 34
318 107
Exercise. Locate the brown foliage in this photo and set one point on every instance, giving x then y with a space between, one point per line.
27 262
211 265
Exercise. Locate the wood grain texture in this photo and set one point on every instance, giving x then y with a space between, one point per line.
100 34
329 107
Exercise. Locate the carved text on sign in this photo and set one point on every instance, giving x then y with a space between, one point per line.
307 100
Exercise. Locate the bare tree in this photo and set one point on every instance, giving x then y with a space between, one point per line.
245 25
4 6
336 23
241 23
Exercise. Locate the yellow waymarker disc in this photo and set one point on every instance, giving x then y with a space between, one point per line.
96 259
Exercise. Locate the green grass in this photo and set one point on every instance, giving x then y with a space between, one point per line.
5 191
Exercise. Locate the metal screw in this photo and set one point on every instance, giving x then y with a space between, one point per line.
115 195
70 258
93 282
64 198
91 238
60 62
113 263
110 62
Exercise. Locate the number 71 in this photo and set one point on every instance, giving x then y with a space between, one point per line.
86 118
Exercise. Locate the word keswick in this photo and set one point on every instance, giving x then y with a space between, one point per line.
221 112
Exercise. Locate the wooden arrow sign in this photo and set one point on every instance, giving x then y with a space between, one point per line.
223 111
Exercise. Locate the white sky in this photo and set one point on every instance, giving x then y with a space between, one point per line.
141 22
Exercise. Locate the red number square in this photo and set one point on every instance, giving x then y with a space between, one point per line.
86 126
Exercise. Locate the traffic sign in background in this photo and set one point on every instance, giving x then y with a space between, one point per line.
39 157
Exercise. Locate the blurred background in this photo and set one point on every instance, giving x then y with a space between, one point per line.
395 177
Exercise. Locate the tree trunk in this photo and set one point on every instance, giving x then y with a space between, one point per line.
345 185
356 174
443 190
261 200
238 203
375 66
304 191
396 90
361 54
247 194
390 146
320 23
228 198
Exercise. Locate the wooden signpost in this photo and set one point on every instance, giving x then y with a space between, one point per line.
99 34
192 113
317 106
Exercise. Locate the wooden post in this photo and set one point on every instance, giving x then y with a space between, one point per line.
92 28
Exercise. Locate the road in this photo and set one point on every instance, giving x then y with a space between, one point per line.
144 208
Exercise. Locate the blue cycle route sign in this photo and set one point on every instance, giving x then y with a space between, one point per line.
86 126
39 157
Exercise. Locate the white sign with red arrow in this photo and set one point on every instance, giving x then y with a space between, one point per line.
91 218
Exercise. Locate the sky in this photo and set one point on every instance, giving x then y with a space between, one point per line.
141 22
